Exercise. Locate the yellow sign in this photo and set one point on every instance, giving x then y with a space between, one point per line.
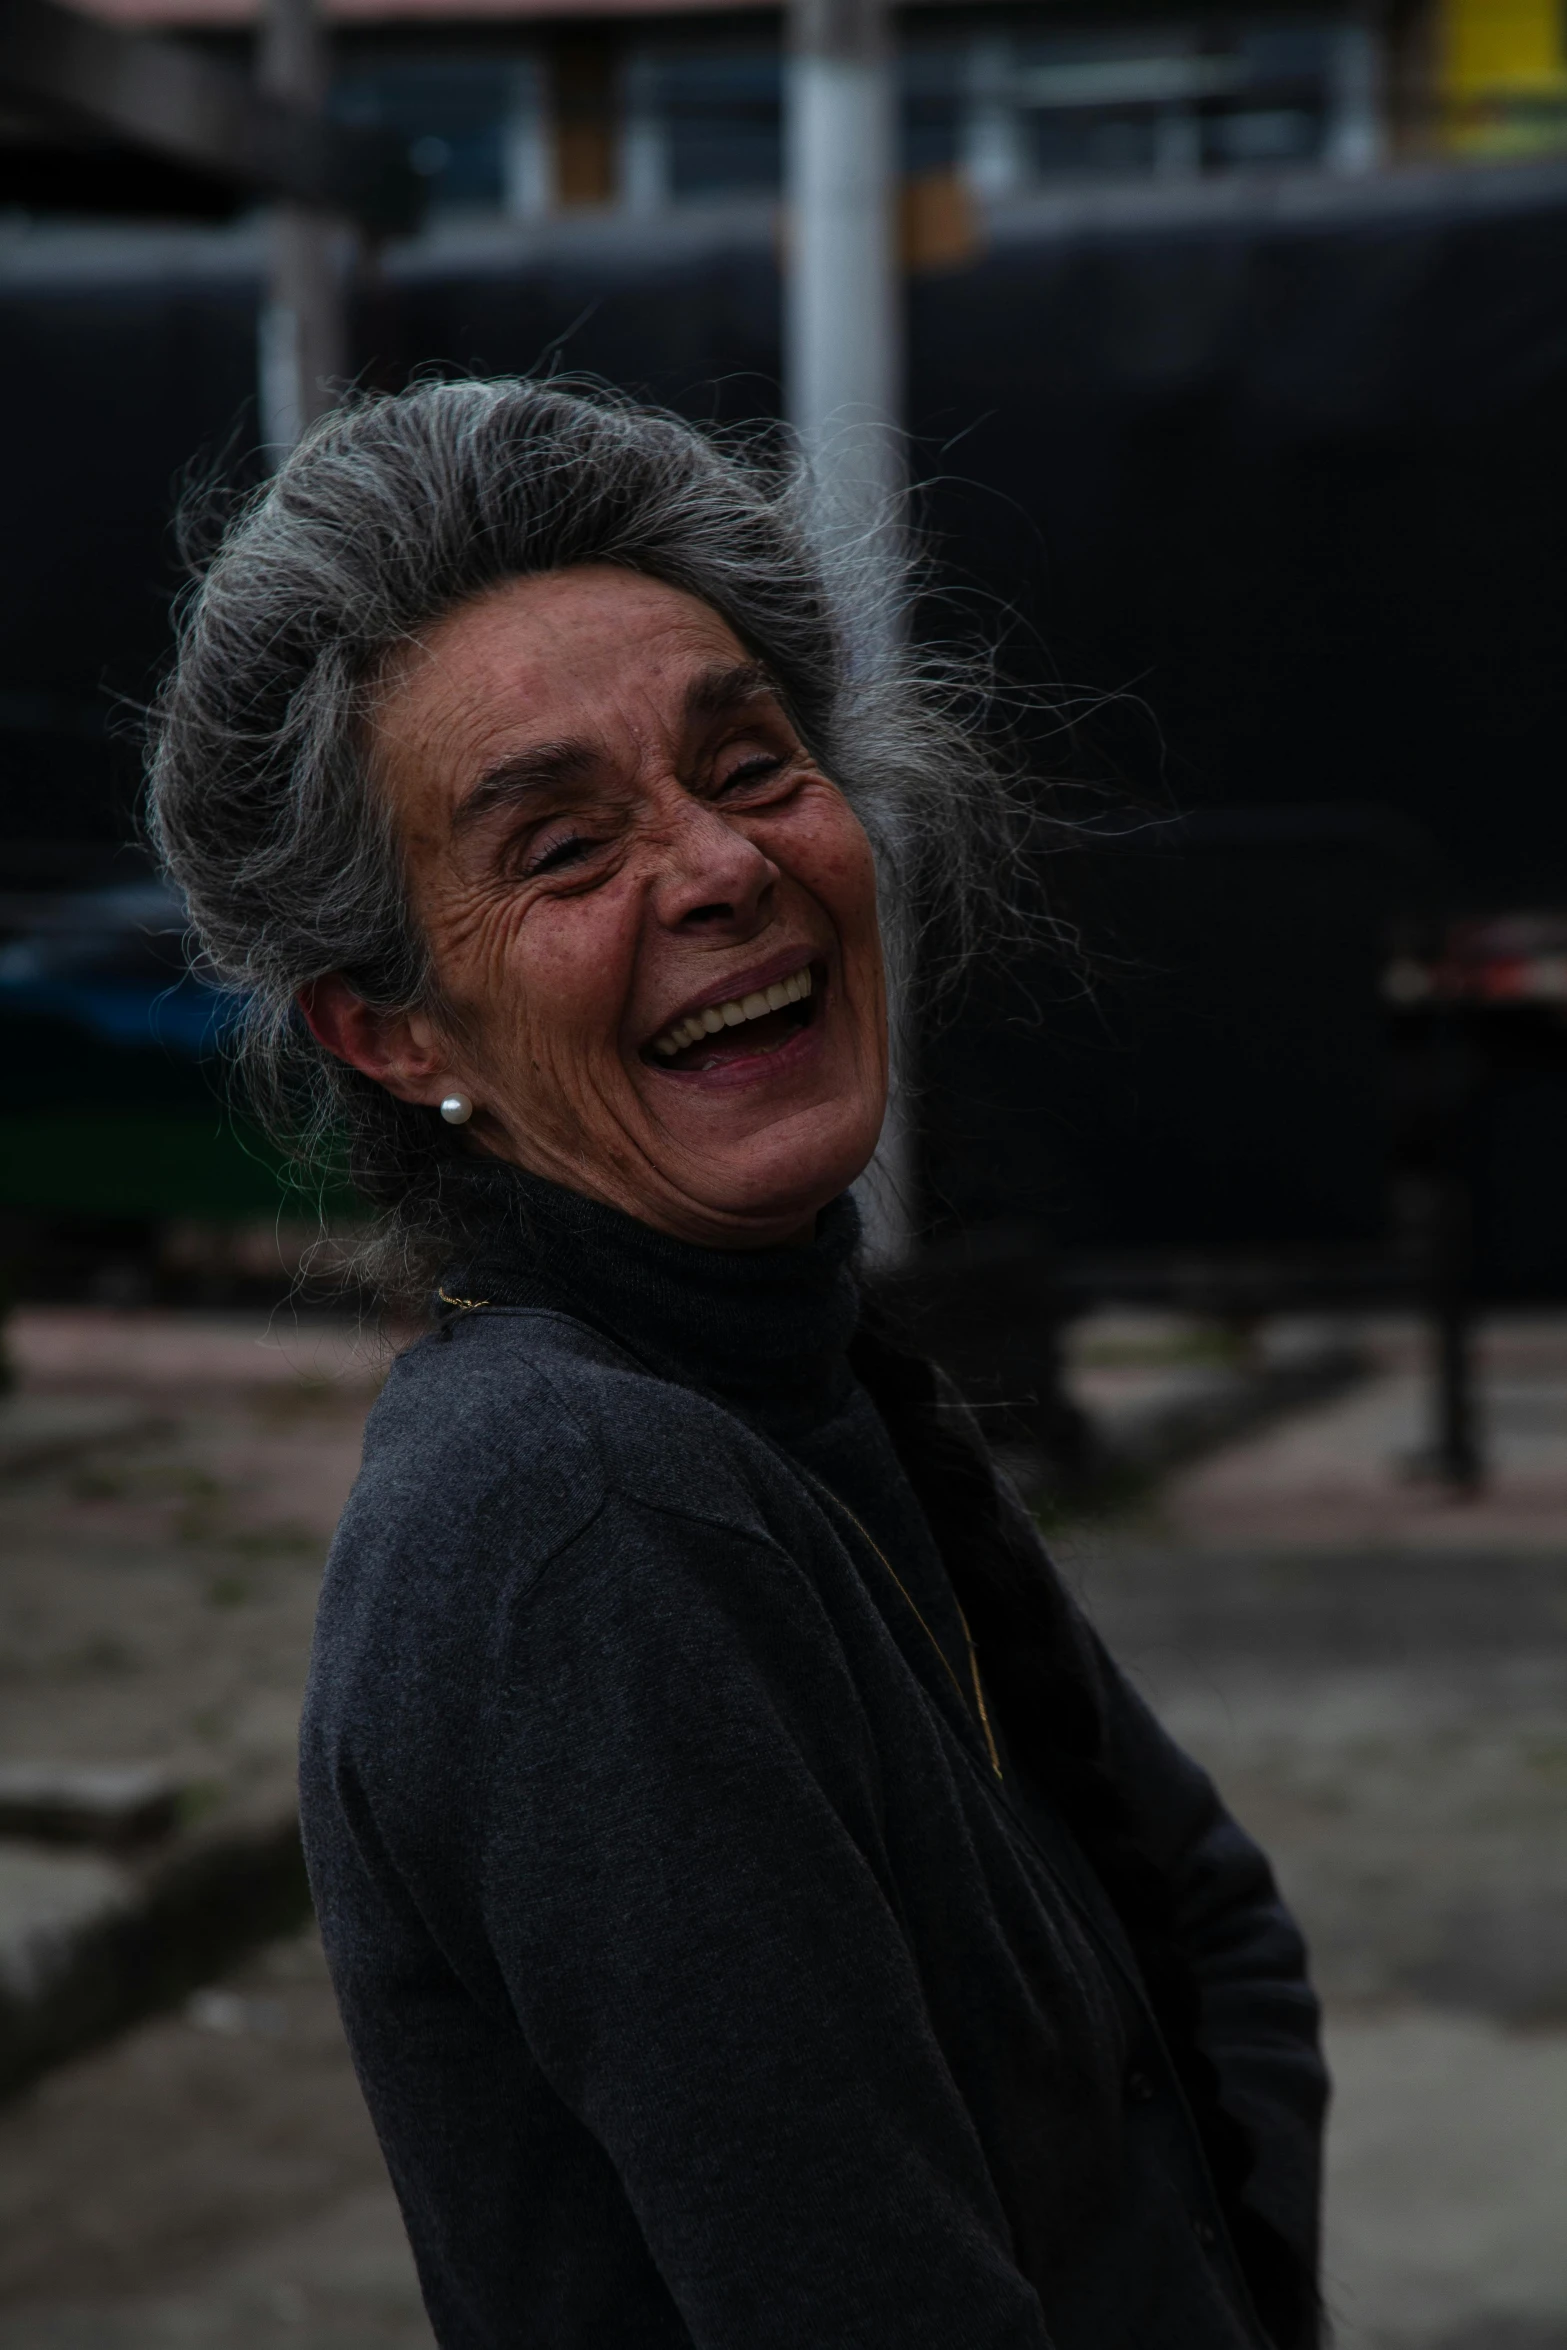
1502 75
1491 46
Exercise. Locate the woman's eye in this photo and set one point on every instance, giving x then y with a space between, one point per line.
759 769
555 855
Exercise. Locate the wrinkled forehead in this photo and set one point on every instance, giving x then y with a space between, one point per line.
592 653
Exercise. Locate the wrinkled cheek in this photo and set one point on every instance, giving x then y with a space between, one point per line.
476 967
833 860
536 1056
562 1048
853 901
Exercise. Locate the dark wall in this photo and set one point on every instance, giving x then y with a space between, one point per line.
108 398
1303 490
1223 1085
1301 495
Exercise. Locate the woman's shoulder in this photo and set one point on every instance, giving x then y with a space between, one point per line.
520 1462
533 1422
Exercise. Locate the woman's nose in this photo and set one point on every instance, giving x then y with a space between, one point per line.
713 875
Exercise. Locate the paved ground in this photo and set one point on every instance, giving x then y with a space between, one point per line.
1377 1676
211 2180
159 1590
1347 1472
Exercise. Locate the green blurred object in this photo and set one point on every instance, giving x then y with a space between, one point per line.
103 1129
121 1163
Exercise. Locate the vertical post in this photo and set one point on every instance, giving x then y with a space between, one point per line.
1356 138
644 157
527 157
843 344
1457 1444
843 369
303 333
994 161
1457 1450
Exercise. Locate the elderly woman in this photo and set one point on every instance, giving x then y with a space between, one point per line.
761 1913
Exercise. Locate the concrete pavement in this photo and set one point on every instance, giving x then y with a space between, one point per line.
1377 1676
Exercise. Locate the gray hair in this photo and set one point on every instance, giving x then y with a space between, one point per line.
396 510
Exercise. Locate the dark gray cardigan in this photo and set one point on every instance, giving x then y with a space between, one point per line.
707 1982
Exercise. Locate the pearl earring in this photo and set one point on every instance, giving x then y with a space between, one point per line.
457 1109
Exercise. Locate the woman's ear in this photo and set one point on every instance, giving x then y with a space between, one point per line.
400 1050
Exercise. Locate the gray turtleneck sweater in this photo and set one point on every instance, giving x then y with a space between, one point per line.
713 1974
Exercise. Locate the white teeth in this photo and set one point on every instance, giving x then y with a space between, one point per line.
733 1014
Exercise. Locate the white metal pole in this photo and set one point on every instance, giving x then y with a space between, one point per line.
843 369
527 162
1356 131
843 341
303 333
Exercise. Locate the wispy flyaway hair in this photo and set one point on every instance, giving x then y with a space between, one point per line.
393 512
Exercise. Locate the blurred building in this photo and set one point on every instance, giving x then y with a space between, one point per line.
516 107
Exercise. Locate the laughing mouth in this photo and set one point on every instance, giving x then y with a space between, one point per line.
758 1022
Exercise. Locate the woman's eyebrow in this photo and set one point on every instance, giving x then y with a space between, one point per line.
545 767
729 686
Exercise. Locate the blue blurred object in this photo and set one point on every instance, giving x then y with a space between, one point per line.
117 1107
113 963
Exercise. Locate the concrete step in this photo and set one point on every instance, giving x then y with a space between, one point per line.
1150 1417
92 1941
108 1804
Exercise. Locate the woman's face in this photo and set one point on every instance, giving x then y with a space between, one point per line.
652 917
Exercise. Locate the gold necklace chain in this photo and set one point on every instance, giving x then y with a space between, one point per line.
973 1661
